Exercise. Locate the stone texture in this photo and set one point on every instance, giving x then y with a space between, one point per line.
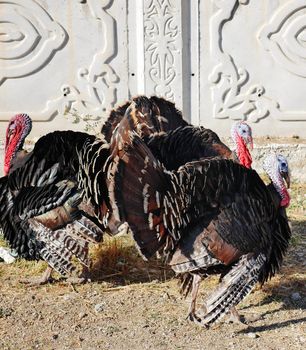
295 153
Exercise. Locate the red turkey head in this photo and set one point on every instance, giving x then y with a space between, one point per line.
18 129
242 136
276 166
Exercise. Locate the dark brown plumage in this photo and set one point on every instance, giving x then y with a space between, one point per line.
145 116
185 144
207 216
175 147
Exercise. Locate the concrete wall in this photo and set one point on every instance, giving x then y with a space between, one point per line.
218 60
65 61
294 150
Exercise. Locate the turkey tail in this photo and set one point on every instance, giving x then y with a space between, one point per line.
140 117
169 116
235 286
154 114
137 182
113 120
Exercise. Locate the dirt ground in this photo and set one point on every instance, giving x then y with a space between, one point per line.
136 305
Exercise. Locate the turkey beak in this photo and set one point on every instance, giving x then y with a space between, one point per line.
286 177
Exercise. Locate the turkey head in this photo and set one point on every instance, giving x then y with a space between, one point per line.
18 129
241 134
276 166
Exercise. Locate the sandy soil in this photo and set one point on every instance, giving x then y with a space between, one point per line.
136 305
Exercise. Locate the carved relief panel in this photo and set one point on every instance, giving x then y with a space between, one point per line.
253 59
219 60
156 52
59 58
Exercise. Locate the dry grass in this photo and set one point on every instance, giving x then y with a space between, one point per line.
117 259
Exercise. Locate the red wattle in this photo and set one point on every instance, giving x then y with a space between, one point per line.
243 153
285 198
10 148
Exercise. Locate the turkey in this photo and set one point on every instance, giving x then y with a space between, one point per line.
43 212
174 147
209 216
185 144
189 143
171 139
69 154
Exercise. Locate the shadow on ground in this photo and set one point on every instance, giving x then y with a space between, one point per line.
117 261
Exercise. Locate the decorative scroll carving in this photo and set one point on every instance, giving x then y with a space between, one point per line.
229 97
100 92
29 38
285 37
96 89
161 33
99 79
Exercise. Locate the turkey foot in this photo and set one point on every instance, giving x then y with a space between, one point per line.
235 317
44 279
83 278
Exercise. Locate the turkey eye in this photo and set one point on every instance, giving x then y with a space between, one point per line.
283 164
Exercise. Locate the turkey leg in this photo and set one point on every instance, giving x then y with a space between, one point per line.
194 293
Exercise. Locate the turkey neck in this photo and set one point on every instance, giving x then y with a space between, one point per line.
280 187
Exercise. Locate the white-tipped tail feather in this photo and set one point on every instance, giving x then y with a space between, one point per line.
235 286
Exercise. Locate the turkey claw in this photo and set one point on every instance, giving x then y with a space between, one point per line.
193 317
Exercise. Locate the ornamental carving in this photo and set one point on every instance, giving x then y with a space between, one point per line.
284 37
161 32
29 38
232 95
97 83
95 90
